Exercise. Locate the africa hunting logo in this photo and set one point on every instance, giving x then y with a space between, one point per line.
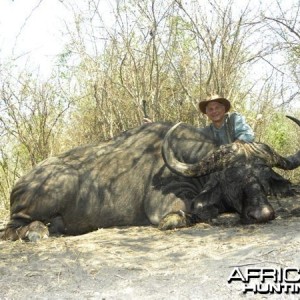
267 280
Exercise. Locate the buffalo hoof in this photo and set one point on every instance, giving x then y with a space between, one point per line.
174 220
34 236
37 231
33 232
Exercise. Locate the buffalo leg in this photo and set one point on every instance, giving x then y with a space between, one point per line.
174 220
33 232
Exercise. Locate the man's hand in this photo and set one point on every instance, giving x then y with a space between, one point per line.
147 120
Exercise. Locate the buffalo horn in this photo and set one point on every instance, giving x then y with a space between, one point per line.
225 155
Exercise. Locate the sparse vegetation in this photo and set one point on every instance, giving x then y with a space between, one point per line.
167 53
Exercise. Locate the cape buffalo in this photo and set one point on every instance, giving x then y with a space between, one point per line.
148 175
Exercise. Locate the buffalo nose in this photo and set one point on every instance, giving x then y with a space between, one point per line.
262 214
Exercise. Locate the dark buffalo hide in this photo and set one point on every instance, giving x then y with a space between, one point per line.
125 181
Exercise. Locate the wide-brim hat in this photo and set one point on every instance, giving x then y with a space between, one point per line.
214 98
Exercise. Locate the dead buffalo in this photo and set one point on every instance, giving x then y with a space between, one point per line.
148 175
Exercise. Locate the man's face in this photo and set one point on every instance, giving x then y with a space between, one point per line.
215 111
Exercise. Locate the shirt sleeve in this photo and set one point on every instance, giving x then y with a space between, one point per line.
242 130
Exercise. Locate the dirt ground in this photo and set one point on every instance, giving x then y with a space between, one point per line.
145 263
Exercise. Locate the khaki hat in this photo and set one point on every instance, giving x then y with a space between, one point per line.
216 98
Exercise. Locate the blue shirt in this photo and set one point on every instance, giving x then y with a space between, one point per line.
234 128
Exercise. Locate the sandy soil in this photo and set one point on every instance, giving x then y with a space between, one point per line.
145 263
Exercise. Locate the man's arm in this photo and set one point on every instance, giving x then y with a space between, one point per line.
242 130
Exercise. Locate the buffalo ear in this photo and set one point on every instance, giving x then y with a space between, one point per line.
211 184
279 186
209 197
